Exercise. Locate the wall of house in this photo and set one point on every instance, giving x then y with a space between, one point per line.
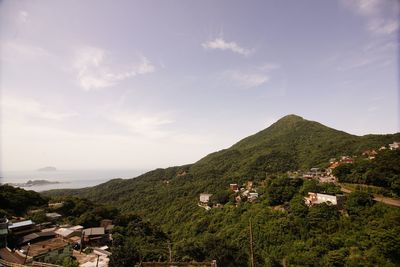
326 198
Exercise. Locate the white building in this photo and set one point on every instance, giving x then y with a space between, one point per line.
317 198
394 146
205 198
252 196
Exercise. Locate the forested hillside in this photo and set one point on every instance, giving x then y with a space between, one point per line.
292 232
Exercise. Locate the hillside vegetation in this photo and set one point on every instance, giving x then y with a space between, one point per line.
319 236
16 201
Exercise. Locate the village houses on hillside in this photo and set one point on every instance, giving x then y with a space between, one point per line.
49 242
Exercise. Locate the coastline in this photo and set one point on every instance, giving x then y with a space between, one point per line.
68 179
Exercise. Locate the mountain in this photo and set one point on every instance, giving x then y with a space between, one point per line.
47 169
317 236
291 143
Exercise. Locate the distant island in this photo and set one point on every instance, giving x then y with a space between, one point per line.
47 169
34 183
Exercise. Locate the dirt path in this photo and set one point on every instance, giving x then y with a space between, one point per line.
386 200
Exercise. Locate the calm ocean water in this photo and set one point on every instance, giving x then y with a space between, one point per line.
67 178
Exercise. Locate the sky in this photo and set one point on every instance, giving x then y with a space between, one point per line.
146 84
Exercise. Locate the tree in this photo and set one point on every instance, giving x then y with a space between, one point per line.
124 252
70 262
323 217
357 201
298 207
221 197
342 172
282 189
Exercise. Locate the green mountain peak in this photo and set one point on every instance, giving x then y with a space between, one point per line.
291 117
291 143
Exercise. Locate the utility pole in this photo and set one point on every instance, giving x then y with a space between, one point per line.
27 252
170 251
82 238
251 245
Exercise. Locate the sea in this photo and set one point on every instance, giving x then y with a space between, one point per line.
68 179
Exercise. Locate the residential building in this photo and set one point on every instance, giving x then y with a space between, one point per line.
346 159
3 232
49 251
252 196
249 185
238 199
21 228
234 187
205 198
327 179
66 233
77 228
36 237
93 234
371 154
106 222
53 216
315 170
394 146
56 205
318 198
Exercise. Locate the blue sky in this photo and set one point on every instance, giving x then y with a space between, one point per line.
144 84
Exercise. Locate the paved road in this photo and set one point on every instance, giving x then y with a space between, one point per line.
386 200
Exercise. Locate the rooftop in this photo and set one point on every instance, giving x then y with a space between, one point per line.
65 232
94 231
20 224
45 246
33 236
53 215
76 227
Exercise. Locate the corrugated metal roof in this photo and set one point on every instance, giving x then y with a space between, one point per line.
76 227
20 224
28 238
65 232
94 231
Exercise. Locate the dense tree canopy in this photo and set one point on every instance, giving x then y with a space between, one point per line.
285 229
16 201
383 171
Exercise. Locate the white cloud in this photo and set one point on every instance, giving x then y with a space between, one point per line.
250 78
24 109
23 16
94 72
28 146
269 67
363 7
247 79
383 26
146 125
32 137
381 15
221 44
13 49
376 54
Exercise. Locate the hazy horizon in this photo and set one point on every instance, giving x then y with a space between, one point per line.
148 84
